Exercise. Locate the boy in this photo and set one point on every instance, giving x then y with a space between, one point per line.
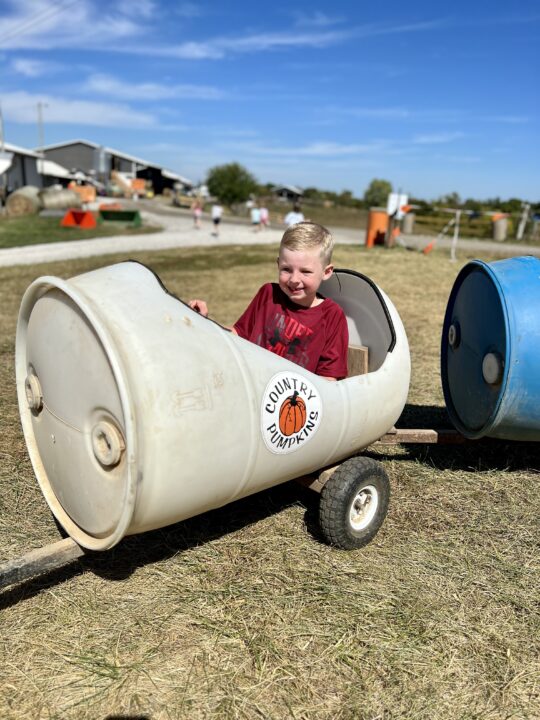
294 216
289 317
217 212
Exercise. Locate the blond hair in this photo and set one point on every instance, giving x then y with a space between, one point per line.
309 236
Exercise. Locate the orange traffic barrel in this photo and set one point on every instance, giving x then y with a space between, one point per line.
377 226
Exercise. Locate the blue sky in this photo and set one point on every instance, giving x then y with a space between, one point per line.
435 97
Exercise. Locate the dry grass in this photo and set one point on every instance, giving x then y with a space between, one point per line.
243 612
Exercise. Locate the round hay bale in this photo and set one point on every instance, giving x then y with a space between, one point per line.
59 199
24 201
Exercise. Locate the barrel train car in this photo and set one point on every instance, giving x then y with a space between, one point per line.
138 412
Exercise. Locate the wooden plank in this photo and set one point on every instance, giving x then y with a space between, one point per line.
446 436
317 480
357 360
39 561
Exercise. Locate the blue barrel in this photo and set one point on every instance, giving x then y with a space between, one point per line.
490 353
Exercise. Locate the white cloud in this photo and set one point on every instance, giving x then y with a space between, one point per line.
437 138
218 48
21 107
403 113
380 112
508 119
316 19
137 8
468 159
185 51
34 68
36 24
107 85
333 149
315 149
269 41
260 42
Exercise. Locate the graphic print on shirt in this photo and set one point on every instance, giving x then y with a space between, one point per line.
291 412
288 338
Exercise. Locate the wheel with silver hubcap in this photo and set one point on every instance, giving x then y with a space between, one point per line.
354 503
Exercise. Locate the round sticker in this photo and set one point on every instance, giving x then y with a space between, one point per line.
291 412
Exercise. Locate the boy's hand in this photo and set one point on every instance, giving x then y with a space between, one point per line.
199 306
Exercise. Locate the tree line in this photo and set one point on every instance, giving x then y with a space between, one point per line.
232 183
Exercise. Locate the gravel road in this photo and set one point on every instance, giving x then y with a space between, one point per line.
178 231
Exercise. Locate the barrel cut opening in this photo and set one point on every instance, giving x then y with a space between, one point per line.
371 331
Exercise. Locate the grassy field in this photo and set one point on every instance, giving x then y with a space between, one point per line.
334 216
244 612
32 229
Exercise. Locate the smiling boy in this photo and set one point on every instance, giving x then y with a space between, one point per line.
290 318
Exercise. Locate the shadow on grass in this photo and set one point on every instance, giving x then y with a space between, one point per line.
136 551
147 548
470 456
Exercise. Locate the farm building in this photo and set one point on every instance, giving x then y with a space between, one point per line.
18 167
288 193
54 174
100 162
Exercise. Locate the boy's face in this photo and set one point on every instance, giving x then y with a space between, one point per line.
300 274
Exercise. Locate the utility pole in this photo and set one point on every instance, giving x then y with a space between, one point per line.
523 221
1 131
456 235
2 149
41 132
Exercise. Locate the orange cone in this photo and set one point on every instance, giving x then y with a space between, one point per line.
79 218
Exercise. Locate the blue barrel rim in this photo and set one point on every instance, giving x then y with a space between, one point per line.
470 267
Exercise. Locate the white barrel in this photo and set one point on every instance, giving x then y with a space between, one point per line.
500 229
407 224
137 412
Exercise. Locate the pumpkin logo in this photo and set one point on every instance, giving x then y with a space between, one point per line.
291 412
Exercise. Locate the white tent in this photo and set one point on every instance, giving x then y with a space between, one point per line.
52 169
6 159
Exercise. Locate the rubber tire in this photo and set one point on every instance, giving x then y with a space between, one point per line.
337 497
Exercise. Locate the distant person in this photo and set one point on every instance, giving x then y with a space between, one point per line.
255 218
265 217
290 318
217 212
196 209
294 216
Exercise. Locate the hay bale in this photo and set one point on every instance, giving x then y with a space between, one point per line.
24 201
59 199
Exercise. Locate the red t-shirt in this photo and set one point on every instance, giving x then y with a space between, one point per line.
315 338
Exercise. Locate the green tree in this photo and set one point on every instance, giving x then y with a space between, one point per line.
346 198
313 193
472 204
451 200
231 183
377 193
512 205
